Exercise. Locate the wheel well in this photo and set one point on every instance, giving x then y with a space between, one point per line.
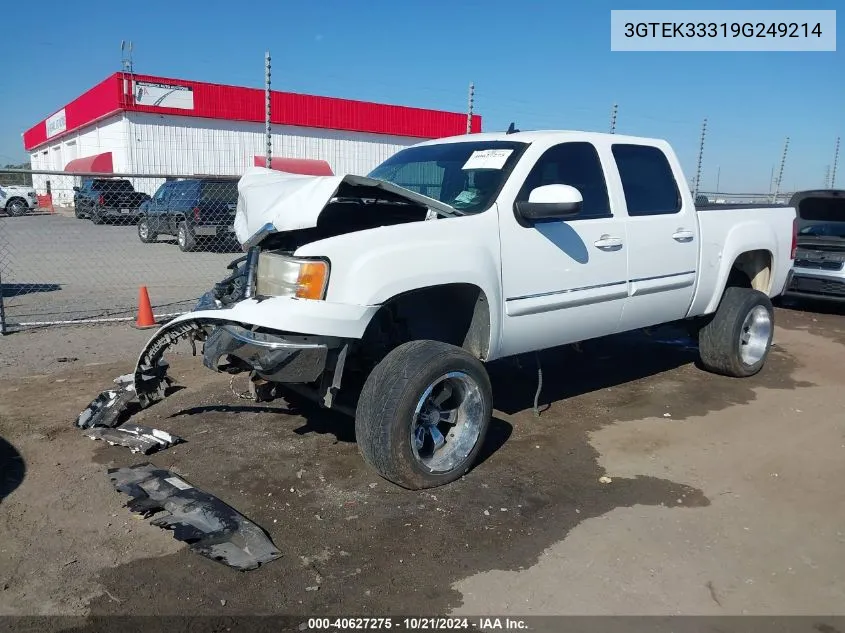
457 314
752 269
15 198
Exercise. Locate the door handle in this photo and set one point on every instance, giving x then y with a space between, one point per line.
608 243
682 235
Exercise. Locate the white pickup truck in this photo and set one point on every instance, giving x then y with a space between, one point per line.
384 295
17 199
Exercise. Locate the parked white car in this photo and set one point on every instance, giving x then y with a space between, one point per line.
384 296
17 199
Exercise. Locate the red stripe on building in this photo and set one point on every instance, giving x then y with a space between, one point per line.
233 103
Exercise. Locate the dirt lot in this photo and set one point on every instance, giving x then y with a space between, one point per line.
726 494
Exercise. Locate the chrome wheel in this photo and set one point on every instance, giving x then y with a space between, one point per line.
144 230
754 336
447 422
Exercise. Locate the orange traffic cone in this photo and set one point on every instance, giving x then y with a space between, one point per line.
145 318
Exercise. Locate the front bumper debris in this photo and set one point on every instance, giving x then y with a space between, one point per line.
209 527
137 438
148 383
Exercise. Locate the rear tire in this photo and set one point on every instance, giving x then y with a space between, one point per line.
737 340
145 233
96 218
77 213
423 414
185 238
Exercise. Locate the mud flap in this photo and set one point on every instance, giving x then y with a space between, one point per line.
209 527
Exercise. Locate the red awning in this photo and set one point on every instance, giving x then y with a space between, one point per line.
304 166
97 164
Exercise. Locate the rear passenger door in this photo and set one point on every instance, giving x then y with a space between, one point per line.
663 237
157 208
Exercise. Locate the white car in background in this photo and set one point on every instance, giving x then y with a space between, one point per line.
17 199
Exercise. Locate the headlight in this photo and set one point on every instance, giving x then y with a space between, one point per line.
282 276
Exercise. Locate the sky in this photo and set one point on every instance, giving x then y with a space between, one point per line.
540 64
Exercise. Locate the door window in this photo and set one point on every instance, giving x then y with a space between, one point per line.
576 165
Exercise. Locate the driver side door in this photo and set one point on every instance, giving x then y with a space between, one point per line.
563 280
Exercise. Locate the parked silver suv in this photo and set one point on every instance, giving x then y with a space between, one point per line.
819 270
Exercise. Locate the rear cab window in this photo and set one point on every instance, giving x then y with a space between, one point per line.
221 191
648 181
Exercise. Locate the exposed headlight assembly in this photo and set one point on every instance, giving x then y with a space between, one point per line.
282 276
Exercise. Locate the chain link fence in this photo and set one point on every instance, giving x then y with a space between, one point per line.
77 248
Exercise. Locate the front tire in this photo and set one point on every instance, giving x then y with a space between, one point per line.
185 238
145 233
423 414
737 340
16 207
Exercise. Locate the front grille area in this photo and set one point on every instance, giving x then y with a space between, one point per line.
818 265
809 285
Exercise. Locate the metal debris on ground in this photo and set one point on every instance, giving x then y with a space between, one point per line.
139 439
209 527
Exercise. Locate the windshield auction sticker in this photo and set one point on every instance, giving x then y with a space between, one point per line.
488 159
713 30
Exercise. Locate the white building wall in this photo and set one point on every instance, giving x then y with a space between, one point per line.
163 144
108 135
186 145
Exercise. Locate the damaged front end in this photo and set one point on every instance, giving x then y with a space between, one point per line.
228 346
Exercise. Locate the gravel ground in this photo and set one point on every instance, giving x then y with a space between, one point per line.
723 498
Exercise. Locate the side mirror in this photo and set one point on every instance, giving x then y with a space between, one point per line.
76 188
550 202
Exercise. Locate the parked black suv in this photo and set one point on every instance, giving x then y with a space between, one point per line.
104 199
192 210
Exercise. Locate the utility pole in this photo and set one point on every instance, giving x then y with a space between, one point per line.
613 112
269 138
718 173
780 170
835 163
470 101
700 158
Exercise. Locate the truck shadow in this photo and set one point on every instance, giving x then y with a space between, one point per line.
16 290
590 366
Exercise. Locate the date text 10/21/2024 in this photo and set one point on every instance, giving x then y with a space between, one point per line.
418 624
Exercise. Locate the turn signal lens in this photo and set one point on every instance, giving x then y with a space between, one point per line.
311 283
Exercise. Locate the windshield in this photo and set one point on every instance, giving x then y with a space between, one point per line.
466 176
822 216
823 229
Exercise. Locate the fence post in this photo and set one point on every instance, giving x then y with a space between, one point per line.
2 308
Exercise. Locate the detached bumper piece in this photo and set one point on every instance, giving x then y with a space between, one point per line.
137 438
209 527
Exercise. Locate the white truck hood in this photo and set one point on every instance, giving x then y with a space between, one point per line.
274 201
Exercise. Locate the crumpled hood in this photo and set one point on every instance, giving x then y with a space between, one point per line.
288 202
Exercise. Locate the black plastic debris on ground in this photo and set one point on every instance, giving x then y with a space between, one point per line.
209 526
106 408
137 438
